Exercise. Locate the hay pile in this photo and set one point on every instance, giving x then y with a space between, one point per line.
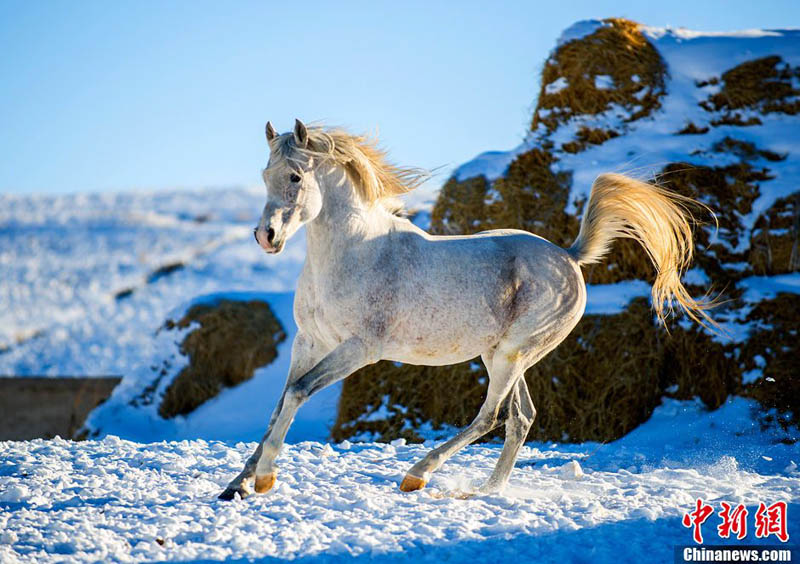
232 339
764 85
531 197
775 240
611 372
629 74
773 348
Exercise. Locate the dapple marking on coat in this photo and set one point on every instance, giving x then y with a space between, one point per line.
376 287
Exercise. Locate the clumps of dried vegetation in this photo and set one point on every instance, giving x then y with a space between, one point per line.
737 120
774 348
691 129
602 382
530 196
406 397
232 339
728 190
775 239
764 85
628 58
588 136
745 150
534 198
731 191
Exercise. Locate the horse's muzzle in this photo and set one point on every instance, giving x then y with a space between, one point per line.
267 240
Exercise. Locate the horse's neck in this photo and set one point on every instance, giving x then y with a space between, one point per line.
343 221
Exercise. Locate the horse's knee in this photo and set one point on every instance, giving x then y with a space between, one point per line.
296 395
487 423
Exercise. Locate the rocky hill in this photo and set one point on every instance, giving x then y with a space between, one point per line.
712 116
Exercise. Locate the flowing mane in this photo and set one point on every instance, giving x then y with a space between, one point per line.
375 178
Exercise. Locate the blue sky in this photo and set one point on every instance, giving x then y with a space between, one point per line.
98 96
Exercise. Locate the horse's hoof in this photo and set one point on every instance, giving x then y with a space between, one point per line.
412 483
264 483
230 493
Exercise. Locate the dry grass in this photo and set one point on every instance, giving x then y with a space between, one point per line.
233 339
529 197
730 191
603 381
440 395
699 366
737 120
462 207
775 240
588 136
775 346
765 85
691 129
632 62
745 150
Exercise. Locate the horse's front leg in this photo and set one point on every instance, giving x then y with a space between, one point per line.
342 361
305 354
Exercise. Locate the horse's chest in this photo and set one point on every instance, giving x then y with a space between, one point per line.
338 309
323 313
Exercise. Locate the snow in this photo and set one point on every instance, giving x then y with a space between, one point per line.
64 258
116 500
758 288
237 414
491 164
556 86
579 30
603 82
608 299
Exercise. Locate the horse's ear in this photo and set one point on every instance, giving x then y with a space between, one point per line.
300 134
271 133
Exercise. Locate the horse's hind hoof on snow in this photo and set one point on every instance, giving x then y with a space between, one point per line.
230 493
412 483
264 483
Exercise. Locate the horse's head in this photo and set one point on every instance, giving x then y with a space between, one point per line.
293 194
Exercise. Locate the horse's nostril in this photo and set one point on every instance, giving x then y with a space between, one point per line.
255 234
270 235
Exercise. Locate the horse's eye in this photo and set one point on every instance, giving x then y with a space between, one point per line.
294 177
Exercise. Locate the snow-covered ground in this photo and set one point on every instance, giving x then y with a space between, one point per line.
86 280
63 259
115 500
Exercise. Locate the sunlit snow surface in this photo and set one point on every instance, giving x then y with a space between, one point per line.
114 500
64 258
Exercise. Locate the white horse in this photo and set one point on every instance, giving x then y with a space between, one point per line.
374 286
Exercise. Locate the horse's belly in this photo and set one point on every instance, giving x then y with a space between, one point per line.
448 340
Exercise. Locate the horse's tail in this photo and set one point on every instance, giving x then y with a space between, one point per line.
659 220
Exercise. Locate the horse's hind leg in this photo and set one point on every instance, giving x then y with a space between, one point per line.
519 419
501 383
